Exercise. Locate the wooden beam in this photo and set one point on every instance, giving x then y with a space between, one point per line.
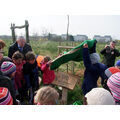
65 47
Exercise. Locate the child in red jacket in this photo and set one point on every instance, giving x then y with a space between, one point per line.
48 75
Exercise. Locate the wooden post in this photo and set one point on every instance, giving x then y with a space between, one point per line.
13 27
27 31
67 37
64 95
13 32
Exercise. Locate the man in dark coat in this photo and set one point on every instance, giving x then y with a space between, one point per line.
110 53
20 45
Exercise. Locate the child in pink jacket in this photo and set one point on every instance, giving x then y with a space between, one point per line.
19 78
48 75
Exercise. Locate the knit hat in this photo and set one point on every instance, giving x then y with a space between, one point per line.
111 70
8 68
114 85
99 96
94 57
117 63
5 97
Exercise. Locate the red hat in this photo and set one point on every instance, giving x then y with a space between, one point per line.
111 70
5 97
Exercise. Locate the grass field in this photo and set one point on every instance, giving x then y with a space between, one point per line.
45 47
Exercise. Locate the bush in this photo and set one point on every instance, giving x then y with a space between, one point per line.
74 95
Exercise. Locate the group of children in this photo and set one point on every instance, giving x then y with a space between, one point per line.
23 76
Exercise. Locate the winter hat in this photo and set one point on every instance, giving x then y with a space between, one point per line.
94 57
8 68
99 96
114 85
117 63
5 97
111 70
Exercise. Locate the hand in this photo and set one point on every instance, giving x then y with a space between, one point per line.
85 45
106 46
49 62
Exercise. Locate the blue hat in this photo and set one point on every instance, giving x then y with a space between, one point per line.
118 63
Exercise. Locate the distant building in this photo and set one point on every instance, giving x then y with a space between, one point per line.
64 36
97 37
106 38
80 38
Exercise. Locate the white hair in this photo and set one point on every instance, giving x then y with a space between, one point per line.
21 38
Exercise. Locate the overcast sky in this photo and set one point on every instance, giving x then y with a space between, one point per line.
52 16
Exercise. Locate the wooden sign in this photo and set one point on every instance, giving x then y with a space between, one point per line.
65 80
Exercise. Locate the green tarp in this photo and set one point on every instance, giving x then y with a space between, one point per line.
74 54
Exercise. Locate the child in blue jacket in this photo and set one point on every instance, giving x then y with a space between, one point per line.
93 70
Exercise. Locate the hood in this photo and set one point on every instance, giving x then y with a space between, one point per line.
95 58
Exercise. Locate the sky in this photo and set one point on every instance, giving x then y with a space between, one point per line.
89 25
85 18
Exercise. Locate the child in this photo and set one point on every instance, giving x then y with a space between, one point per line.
5 97
3 58
114 85
48 75
19 78
30 70
93 70
46 96
7 73
2 45
99 96
110 71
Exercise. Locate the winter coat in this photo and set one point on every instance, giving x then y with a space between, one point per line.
19 77
14 47
109 57
30 72
48 75
92 72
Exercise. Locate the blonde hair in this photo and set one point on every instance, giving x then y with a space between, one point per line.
46 96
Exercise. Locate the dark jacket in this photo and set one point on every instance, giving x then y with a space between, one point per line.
6 82
109 57
92 72
14 47
30 72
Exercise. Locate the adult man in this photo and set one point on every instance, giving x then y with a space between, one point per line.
110 53
20 45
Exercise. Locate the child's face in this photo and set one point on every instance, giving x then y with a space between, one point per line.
18 61
31 61
45 60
